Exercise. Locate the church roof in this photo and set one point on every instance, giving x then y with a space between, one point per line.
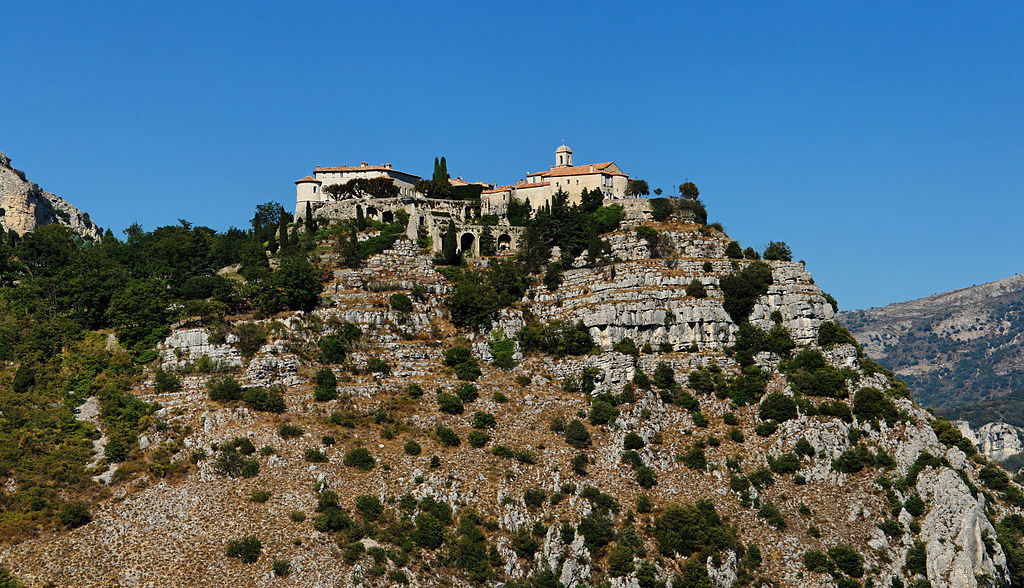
607 168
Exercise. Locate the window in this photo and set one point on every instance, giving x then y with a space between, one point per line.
314 189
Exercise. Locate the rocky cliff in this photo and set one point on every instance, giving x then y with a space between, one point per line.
559 469
954 349
24 206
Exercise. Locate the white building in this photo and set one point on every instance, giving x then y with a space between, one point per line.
310 188
538 187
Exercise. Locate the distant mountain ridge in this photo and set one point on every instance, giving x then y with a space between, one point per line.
955 348
24 206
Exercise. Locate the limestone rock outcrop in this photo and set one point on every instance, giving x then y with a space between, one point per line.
24 206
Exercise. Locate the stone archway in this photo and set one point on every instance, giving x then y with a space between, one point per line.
371 212
504 242
387 217
468 213
466 243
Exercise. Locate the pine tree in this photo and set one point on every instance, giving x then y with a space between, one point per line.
293 239
449 247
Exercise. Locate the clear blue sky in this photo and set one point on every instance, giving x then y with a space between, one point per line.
882 141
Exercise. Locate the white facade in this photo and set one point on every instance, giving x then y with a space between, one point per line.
310 188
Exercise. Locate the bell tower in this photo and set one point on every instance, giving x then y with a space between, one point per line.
563 157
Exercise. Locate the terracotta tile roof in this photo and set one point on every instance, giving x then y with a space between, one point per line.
497 190
526 185
307 179
579 170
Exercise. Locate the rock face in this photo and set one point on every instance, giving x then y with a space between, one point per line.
700 444
23 206
955 532
954 349
998 441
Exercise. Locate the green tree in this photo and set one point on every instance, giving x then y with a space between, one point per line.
140 314
733 250
689 191
487 246
637 188
449 245
778 251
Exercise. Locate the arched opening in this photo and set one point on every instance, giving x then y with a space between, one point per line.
387 217
371 212
466 243
504 242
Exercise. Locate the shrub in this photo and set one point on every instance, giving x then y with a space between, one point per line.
633 441
534 497
602 413
400 302
696 289
831 334
287 431
733 250
477 439
313 455
265 399
695 459
524 543
772 515
483 420
370 507
281 567
449 403
230 463
414 390
577 435
853 460
817 562
376 365
766 428
259 496
804 447
429 531
579 464
620 560
360 458
75 514
664 376
447 437
559 338
741 290
871 403
164 381
224 388
736 435
247 549
917 559
326 385
778 251
777 407
836 409
787 463
411 447
847 559
466 392
251 337
915 506
683 530
994 477
646 477
297 516
627 346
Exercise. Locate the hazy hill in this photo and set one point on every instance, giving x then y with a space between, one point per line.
24 206
953 349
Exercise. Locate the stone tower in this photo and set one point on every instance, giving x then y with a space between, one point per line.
563 157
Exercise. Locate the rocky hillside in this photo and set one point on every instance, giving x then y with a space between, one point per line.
24 206
953 349
613 427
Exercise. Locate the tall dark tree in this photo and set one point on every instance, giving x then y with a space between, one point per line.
449 245
444 170
437 170
487 247
360 219
282 233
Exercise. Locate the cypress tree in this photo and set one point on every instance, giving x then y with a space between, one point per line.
437 170
282 235
310 223
449 245
293 240
272 244
360 219
444 170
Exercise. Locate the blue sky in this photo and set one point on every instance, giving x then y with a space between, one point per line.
882 141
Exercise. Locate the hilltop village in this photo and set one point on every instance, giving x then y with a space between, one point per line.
378 192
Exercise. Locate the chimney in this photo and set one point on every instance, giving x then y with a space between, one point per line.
362 164
591 169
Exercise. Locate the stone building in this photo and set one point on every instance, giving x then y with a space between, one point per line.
310 188
539 187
